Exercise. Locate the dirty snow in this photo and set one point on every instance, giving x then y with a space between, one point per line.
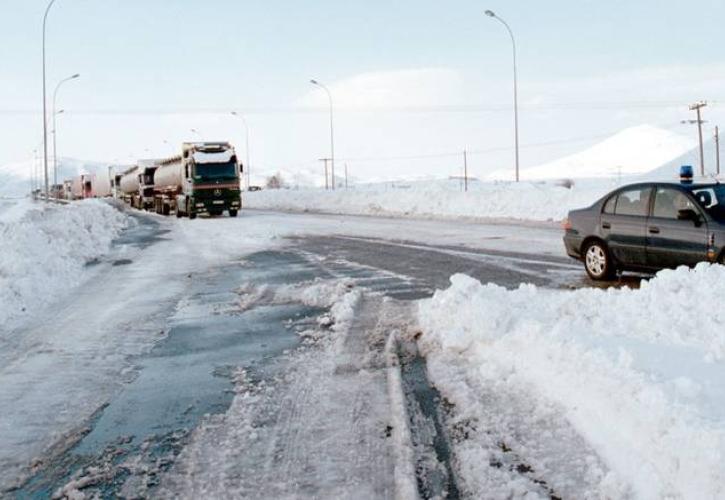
638 374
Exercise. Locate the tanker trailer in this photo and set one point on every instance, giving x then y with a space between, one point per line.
203 179
129 185
146 173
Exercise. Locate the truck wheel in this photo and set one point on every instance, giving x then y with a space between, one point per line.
165 209
232 213
597 261
178 213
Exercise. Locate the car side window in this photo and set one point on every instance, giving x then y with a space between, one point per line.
609 205
633 202
668 203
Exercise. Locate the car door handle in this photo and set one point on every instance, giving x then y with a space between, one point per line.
654 230
606 225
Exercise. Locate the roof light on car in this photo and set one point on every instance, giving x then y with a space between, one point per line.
686 174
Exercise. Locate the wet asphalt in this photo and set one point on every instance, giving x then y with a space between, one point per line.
189 374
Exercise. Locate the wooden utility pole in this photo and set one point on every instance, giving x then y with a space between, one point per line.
717 149
465 170
697 107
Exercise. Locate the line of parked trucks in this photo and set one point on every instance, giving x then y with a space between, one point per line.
203 179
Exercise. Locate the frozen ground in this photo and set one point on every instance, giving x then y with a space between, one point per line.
636 375
575 394
116 309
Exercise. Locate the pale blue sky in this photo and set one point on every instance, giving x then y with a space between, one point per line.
192 56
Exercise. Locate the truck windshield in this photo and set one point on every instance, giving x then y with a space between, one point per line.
712 199
215 170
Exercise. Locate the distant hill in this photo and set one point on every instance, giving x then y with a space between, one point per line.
633 151
671 169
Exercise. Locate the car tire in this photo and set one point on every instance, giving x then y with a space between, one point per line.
232 213
598 262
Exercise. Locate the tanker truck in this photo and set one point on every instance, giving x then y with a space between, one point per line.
129 185
203 179
146 180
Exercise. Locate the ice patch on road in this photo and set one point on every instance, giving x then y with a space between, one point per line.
43 249
638 374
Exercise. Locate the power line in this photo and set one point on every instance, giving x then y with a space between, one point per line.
443 108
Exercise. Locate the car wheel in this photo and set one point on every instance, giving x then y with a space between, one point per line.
597 261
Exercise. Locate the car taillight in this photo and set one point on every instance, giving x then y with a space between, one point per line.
566 224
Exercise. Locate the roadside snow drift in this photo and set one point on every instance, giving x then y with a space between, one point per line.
640 374
524 201
43 250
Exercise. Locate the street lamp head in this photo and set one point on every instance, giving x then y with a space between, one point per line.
314 82
234 113
60 111
490 13
76 75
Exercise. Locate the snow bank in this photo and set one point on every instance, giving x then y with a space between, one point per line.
43 250
523 201
638 373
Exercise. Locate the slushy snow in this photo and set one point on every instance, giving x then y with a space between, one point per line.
638 374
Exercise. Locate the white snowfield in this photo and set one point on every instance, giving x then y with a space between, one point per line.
638 374
43 249
489 200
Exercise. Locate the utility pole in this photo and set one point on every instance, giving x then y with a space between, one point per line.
45 110
325 160
717 149
465 170
346 175
697 107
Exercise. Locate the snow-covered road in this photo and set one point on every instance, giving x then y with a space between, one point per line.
277 355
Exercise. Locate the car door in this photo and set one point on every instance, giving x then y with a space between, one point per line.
672 242
623 225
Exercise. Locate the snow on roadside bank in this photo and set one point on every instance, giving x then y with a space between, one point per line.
524 201
43 250
638 373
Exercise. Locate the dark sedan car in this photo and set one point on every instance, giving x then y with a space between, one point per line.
647 227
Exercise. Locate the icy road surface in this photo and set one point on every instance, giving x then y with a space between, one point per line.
270 355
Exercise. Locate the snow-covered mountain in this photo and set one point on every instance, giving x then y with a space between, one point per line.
671 169
633 151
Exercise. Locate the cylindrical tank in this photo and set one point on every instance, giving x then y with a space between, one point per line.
76 188
102 186
129 181
170 176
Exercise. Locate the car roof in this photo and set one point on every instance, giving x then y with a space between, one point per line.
696 185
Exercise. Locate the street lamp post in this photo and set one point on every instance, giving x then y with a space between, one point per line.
246 138
55 149
45 111
490 13
332 131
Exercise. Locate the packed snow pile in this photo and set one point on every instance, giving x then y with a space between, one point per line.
523 201
633 151
43 249
639 374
